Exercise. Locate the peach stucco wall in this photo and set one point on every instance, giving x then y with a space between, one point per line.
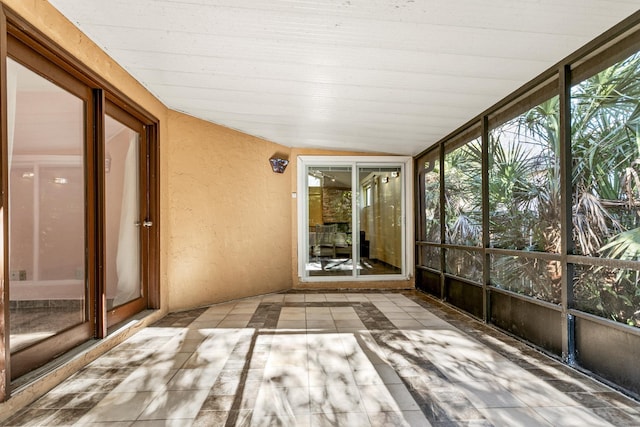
229 215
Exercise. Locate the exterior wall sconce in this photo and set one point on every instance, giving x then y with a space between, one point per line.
278 165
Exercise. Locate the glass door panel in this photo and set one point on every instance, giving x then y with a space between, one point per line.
122 213
47 286
330 243
380 219
355 219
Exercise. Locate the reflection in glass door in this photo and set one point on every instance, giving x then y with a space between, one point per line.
126 215
122 214
46 159
330 218
354 212
380 215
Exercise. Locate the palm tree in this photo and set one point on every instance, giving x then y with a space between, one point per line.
525 196
606 153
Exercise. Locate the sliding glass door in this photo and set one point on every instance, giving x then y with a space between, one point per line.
353 218
381 220
127 213
330 214
50 291
80 202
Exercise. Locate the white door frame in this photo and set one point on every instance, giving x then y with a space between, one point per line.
406 164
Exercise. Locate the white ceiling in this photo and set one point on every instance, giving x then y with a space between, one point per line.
390 76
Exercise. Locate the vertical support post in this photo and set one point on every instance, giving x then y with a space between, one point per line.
153 196
443 227
485 219
566 191
418 207
100 215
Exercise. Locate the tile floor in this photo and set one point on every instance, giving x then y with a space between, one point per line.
327 359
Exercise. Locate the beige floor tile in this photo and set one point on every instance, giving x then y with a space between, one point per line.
175 405
387 374
378 398
367 377
345 317
357 298
353 419
416 419
292 324
407 324
351 323
570 417
336 297
517 417
146 379
319 316
400 315
402 397
167 360
180 422
193 379
398 419
115 406
233 323
244 314
290 376
322 367
537 393
489 395
282 401
377 297
331 376
342 309
273 298
335 398
323 325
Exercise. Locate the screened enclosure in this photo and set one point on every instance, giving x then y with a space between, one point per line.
528 216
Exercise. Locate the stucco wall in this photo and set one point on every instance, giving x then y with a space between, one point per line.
229 215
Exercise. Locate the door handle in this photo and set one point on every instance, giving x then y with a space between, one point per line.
146 223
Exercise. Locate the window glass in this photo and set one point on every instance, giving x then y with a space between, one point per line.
122 213
381 222
330 240
355 218
47 286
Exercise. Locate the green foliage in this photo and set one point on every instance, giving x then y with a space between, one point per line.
606 153
463 194
525 196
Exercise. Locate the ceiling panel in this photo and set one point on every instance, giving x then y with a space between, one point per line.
372 75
